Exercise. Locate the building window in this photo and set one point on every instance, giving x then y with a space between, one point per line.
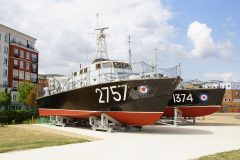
14 97
20 83
5 61
15 73
13 40
21 75
21 53
5 72
15 84
15 52
27 66
5 84
22 64
34 77
34 57
34 68
27 55
15 63
6 38
27 76
5 49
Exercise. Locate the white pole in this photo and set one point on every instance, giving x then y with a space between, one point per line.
156 62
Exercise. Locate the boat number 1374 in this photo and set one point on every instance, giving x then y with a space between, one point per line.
178 98
116 95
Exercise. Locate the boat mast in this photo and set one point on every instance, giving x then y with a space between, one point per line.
129 50
156 61
101 48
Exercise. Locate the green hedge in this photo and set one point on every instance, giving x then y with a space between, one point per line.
16 116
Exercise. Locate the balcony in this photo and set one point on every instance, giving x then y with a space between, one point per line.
20 44
34 59
34 70
15 77
14 88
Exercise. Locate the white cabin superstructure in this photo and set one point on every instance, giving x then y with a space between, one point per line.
101 71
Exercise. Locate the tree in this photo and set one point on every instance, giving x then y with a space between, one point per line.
25 93
5 98
30 100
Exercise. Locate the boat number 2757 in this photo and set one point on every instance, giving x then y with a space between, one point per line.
104 93
178 98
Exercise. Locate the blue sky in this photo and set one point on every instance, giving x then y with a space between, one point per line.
223 18
202 35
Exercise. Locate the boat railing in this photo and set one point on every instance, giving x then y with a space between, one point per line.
139 70
147 70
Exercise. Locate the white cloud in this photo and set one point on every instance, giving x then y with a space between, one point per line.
224 48
231 34
203 45
229 22
200 36
226 77
62 27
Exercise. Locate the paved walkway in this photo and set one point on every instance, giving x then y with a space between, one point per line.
153 142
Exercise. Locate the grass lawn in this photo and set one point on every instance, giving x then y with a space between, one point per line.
17 138
230 155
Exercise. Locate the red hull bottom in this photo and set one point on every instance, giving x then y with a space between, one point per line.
127 118
192 111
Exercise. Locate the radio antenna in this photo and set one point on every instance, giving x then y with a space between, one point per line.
129 50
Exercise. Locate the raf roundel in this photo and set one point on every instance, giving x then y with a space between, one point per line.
143 89
203 97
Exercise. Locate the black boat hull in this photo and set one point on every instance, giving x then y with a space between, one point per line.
195 102
91 98
145 96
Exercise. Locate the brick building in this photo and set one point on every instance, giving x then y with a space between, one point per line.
42 83
231 99
18 59
49 80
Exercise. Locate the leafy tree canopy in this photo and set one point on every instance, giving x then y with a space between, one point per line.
26 94
31 98
5 98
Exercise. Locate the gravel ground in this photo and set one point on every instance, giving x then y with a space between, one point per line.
153 142
220 119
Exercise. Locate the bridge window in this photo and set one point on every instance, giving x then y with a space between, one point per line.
85 70
98 66
122 65
107 65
